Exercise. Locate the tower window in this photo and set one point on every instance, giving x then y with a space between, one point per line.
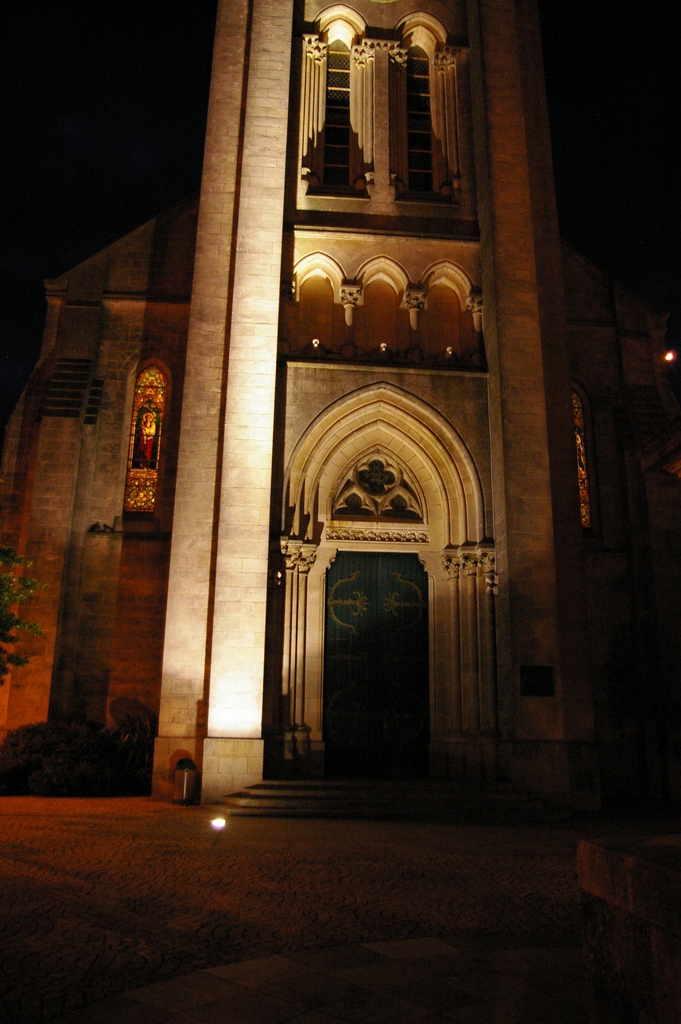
337 127
419 134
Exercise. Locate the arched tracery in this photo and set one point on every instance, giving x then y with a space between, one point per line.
384 415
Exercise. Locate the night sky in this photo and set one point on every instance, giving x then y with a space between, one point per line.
103 116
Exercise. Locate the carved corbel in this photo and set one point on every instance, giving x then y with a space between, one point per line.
414 300
350 295
474 306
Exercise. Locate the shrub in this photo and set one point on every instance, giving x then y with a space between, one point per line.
15 589
74 759
134 736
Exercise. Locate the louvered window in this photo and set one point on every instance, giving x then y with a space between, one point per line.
337 127
419 132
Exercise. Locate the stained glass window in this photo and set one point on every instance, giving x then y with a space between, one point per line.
582 466
145 441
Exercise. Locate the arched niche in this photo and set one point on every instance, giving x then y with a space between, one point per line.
382 268
318 264
384 416
421 30
380 314
441 323
315 313
451 276
341 22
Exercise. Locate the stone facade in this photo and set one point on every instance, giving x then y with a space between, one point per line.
372 277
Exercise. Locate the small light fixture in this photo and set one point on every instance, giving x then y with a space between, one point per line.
449 350
383 347
670 356
218 823
315 343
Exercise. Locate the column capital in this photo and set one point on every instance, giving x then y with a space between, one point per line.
315 48
307 558
474 306
414 297
472 560
350 293
446 58
398 56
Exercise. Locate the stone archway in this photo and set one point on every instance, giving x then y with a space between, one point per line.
442 521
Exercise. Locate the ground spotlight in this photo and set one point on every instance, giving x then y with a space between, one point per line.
218 823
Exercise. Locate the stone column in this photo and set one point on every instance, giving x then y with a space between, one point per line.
299 558
362 98
444 106
540 605
350 295
186 650
523 526
487 588
308 554
471 568
414 300
233 751
381 190
312 106
291 552
470 667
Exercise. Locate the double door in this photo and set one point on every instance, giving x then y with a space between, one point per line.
376 689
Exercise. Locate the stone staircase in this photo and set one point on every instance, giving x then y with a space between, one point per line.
384 799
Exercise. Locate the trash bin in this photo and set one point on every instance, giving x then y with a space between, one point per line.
185 781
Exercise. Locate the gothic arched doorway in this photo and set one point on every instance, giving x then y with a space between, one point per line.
376 673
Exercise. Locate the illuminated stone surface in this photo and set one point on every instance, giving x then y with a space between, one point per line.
341 294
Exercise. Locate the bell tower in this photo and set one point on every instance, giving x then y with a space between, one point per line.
377 247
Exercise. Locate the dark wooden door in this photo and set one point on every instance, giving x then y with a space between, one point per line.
376 691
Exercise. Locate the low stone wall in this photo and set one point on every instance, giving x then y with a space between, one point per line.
632 930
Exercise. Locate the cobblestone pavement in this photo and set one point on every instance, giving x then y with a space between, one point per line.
100 897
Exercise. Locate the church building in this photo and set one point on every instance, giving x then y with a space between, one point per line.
349 467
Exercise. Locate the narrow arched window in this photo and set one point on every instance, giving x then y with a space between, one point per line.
337 138
419 125
582 462
145 441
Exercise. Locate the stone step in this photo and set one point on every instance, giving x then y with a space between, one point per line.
355 798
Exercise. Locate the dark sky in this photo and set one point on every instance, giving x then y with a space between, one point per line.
103 114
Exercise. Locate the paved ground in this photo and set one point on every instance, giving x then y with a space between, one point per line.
104 897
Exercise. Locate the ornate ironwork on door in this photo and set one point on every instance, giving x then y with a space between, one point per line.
376 692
